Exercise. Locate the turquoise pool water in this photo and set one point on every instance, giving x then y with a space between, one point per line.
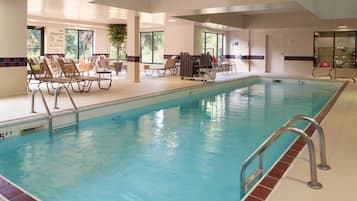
189 149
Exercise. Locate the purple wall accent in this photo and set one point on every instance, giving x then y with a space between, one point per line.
133 59
101 54
256 57
59 55
229 56
13 62
298 58
245 57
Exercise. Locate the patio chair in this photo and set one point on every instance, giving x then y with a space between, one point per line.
99 79
169 65
36 70
50 79
71 71
87 67
105 65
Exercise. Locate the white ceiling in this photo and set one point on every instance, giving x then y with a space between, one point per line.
331 9
157 12
86 11
82 10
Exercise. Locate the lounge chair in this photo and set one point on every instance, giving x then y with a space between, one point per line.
87 67
36 70
71 71
105 65
169 65
50 79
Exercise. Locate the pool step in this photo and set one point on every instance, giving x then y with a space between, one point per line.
65 126
253 177
51 129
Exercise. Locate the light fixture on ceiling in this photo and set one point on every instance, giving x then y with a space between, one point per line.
342 27
172 20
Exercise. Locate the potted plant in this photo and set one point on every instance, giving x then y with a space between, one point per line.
117 36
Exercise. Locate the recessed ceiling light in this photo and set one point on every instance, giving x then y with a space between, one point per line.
171 20
342 27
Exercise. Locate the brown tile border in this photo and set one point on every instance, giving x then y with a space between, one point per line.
266 185
11 192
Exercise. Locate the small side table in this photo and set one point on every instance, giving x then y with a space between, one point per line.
103 74
117 67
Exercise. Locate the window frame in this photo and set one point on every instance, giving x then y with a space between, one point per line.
152 47
217 39
42 39
79 30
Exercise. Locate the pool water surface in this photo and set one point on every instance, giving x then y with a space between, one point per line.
188 149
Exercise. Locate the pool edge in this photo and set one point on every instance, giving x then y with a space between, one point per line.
9 191
269 181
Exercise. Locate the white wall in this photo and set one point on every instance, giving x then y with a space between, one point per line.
13 32
257 48
237 44
274 45
179 37
298 43
13 45
275 52
250 43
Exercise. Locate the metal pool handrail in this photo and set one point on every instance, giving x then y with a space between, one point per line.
75 108
245 183
323 163
50 117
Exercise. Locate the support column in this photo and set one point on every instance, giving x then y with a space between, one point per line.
13 23
133 47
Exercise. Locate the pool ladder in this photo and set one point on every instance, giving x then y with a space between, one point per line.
246 182
51 129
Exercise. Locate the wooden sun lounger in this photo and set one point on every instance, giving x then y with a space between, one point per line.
47 76
170 65
71 71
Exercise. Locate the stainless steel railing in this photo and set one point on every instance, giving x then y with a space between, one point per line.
50 116
246 182
75 108
323 163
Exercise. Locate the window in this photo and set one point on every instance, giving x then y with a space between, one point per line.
113 53
213 43
79 44
335 49
35 41
152 47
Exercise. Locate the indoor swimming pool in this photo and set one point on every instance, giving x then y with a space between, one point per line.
188 149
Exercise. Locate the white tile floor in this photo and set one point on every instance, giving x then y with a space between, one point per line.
341 140
339 126
19 106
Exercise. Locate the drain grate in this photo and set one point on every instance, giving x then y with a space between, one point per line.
30 130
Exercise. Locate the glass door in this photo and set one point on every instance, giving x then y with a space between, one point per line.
323 49
345 50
